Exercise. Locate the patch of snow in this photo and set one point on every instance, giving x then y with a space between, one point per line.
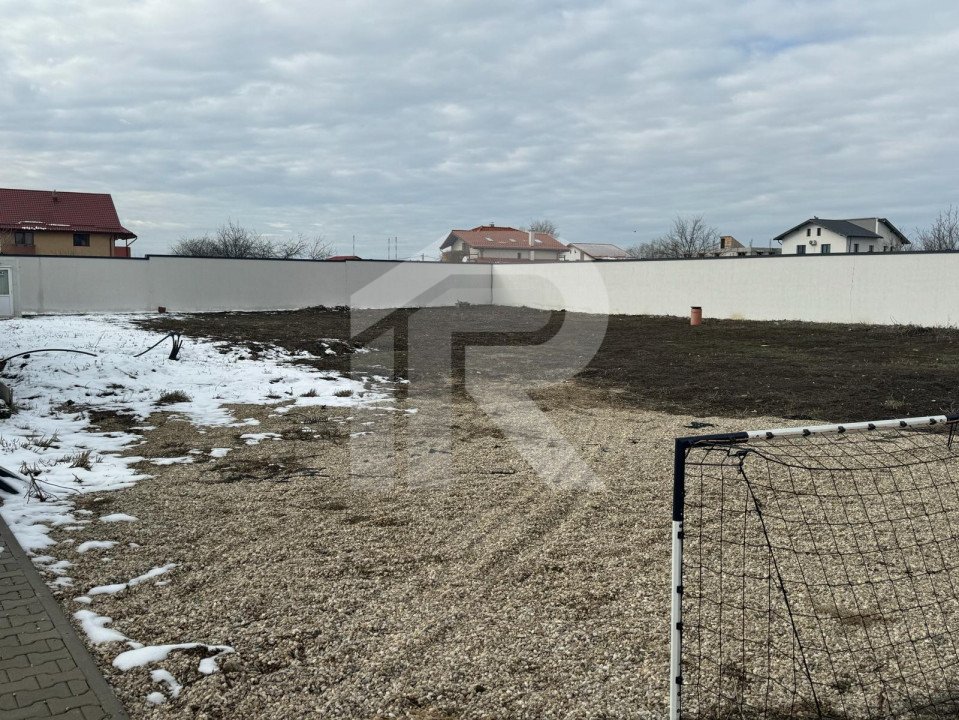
182 460
257 438
164 676
94 627
245 422
118 517
138 580
49 564
150 654
156 698
107 589
52 424
57 391
95 545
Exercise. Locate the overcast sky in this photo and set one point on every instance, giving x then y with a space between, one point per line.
386 118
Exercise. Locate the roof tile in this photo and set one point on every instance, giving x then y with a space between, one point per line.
55 210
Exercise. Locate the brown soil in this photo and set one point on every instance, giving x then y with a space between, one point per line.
729 368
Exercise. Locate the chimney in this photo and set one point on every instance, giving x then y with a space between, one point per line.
56 198
531 238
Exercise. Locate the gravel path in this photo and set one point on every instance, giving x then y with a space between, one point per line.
352 590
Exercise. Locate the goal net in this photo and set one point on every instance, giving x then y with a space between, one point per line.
816 573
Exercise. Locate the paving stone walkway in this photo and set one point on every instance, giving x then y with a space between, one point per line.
45 670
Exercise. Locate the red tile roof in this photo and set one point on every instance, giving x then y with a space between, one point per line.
60 211
503 238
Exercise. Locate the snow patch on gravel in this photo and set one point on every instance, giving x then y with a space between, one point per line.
95 627
138 580
95 545
118 517
150 654
55 454
164 676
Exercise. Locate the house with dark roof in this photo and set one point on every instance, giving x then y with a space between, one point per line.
580 252
50 222
500 244
818 236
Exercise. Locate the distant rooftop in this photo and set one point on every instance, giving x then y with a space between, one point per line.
54 210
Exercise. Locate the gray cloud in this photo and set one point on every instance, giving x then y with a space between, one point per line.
384 118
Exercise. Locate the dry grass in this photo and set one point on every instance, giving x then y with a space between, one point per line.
172 397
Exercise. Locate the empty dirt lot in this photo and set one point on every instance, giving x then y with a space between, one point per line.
730 368
364 566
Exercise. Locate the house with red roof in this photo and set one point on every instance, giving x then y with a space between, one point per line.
499 244
50 222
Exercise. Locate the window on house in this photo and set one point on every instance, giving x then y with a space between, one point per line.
800 249
826 248
872 248
818 232
519 256
808 232
22 237
81 239
855 247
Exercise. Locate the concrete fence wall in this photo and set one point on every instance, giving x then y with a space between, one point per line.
70 284
875 288
914 288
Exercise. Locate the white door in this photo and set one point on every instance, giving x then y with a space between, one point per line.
6 293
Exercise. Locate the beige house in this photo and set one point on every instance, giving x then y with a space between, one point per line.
498 244
45 222
731 247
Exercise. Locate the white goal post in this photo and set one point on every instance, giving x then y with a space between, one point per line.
777 518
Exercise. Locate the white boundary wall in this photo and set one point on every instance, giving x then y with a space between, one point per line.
877 288
76 285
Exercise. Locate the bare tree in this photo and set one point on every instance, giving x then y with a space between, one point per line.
689 236
652 250
301 246
943 234
234 241
544 226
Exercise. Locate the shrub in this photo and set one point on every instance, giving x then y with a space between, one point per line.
173 396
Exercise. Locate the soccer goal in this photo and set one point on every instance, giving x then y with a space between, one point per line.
816 573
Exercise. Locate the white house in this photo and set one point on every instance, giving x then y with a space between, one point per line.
817 236
587 252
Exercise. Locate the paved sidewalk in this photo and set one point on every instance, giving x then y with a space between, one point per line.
45 670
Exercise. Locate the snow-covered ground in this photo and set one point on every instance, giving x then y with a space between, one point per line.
50 441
